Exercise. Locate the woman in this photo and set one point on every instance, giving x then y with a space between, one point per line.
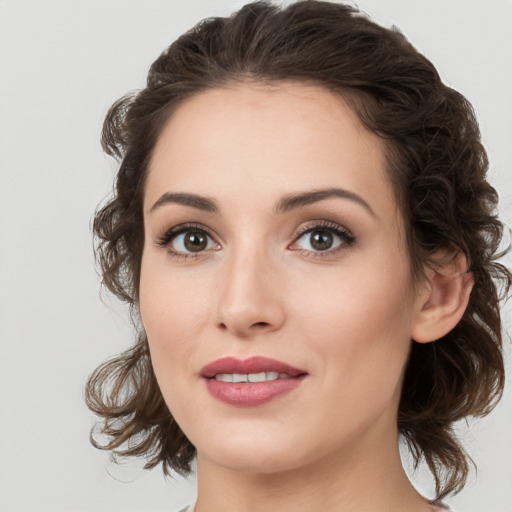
303 227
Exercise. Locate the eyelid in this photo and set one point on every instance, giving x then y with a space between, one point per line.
168 235
346 236
323 224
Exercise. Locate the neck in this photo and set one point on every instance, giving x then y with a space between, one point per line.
369 477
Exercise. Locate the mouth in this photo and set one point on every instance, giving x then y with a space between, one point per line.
250 382
251 377
253 367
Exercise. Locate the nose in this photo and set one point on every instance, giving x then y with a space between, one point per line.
250 295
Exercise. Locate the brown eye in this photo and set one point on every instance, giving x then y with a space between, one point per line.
321 240
194 241
189 241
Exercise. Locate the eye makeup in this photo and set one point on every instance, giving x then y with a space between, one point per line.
326 238
316 238
197 239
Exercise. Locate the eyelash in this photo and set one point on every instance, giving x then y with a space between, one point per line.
165 239
346 237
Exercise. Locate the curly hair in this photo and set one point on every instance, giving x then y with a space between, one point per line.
435 161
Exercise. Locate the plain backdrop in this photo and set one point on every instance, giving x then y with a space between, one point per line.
62 63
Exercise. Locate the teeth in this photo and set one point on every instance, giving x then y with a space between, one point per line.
257 377
251 377
224 377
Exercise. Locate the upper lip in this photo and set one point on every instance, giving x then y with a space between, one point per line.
255 364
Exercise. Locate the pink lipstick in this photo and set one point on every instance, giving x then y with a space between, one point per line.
250 382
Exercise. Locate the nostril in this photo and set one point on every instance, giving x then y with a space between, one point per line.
261 324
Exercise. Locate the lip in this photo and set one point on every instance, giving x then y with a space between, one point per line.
250 394
255 364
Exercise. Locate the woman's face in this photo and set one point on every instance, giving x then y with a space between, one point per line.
274 253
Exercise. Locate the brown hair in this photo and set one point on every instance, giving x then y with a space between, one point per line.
436 162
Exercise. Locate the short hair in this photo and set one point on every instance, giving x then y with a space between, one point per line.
435 161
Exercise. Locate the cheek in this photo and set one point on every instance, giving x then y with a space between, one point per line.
361 320
173 313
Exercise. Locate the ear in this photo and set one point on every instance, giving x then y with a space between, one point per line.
443 299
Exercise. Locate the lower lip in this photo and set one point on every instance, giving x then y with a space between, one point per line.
250 394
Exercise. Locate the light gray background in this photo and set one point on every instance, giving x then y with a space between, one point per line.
62 63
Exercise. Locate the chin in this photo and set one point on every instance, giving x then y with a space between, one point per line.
251 463
252 454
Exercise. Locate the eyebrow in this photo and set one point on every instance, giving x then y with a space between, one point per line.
293 201
192 200
287 203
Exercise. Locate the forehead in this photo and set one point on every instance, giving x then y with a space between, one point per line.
261 141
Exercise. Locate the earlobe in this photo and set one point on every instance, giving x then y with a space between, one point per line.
443 301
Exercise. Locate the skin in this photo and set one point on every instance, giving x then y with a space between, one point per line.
346 315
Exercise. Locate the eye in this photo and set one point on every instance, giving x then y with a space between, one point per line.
187 240
192 241
326 237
